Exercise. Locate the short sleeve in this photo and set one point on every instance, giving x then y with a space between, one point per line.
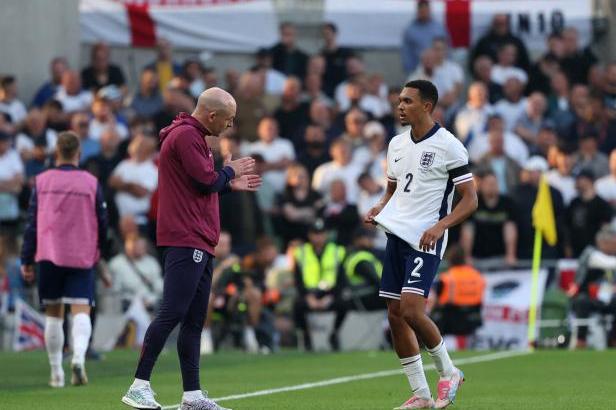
457 163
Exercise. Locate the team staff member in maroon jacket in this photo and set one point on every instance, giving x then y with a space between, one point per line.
188 229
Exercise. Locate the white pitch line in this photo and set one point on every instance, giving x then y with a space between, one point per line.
366 376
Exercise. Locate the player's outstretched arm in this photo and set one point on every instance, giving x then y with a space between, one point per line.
391 188
466 206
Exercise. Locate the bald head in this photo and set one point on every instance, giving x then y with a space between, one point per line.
215 110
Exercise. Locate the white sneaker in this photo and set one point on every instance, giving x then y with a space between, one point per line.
207 344
250 340
56 380
141 398
203 403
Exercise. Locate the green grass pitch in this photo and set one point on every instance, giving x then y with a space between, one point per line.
541 380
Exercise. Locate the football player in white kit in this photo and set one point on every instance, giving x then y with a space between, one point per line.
424 165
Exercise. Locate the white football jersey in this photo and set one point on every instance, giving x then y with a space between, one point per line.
426 173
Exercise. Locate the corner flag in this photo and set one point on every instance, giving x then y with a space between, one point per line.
544 223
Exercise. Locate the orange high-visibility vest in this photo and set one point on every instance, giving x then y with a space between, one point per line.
462 286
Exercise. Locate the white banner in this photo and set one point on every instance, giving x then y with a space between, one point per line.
362 24
505 310
217 25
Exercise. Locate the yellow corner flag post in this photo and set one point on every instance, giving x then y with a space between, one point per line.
545 227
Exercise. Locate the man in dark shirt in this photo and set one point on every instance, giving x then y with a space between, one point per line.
286 58
586 214
293 113
101 72
335 59
491 232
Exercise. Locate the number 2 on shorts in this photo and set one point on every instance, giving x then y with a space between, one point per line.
419 263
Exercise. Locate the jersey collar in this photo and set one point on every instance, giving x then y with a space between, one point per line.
428 134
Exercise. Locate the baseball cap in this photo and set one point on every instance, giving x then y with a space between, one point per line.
373 128
110 92
536 163
317 226
585 173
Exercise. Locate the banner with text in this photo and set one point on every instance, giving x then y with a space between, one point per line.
363 24
505 309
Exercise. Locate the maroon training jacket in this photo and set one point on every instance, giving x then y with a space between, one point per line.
187 217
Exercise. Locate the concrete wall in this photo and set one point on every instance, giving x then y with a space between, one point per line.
32 32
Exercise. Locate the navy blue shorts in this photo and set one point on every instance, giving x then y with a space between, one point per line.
65 285
406 270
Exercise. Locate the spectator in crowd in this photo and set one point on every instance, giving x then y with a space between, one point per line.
80 125
514 147
135 179
9 103
561 177
103 164
370 192
513 105
299 205
249 96
335 59
38 162
491 42
418 36
473 116
101 71
192 70
589 157
576 62
340 167
371 155
103 117
426 69
459 293
11 183
46 92
609 90
448 74
239 210
541 73
593 265
313 90
137 274
586 214
292 113
340 216
164 65
56 118
319 280
354 122
606 186
505 68
286 57
482 72
363 272
546 138
174 102
559 93
71 96
315 150
277 152
321 114
491 232
529 123
35 130
274 79
524 196
148 100
10 274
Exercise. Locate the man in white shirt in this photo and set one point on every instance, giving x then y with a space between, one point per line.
9 103
448 75
135 179
471 120
514 146
105 118
277 152
606 186
11 182
505 68
561 178
70 94
341 168
513 105
424 166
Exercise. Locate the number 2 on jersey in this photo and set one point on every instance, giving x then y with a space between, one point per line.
419 263
409 177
